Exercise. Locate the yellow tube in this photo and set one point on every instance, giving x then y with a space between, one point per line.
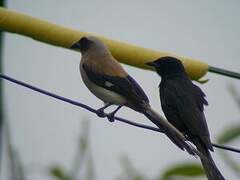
57 35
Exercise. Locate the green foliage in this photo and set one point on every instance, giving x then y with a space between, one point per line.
2 2
225 137
229 134
235 94
183 169
58 173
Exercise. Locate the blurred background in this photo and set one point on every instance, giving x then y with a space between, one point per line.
44 138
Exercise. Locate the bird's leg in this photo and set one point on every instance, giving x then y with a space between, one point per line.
100 111
111 115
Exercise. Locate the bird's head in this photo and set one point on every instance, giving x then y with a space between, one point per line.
90 43
167 66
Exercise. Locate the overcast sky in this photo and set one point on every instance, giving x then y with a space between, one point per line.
45 130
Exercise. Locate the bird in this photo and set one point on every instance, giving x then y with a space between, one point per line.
108 81
183 105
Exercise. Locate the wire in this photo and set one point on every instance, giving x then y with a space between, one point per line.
95 111
224 72
226 148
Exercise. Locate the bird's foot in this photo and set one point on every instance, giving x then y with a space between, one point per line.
100 113
110 117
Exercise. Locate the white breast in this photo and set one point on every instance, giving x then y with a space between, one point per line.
105 95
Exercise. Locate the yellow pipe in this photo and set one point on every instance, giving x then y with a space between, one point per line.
57 35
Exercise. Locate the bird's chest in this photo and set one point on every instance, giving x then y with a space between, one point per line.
100 92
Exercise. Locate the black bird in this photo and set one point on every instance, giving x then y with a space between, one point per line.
183 105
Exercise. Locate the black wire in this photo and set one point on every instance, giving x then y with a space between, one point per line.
48 93
95 111
226 148
224 72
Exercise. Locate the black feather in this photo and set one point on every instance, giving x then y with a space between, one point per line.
183 107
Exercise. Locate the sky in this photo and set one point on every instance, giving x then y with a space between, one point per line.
45 131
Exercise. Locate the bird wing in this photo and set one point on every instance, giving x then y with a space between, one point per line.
182 104
199 97
125 86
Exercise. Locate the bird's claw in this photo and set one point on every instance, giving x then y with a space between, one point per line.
101 113
110 117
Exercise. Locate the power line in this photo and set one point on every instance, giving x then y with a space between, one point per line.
70 101
226 148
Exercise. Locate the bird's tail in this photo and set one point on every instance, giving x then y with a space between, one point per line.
174 135
209 166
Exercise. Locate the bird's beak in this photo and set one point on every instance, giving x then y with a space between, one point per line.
150 63
76 46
